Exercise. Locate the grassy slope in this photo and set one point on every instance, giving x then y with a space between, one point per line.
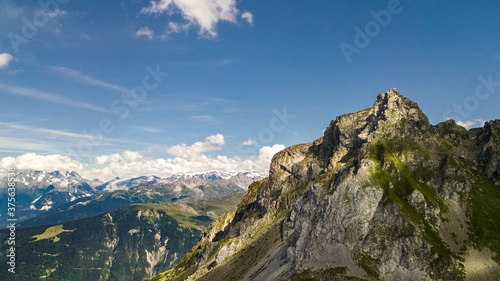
75 250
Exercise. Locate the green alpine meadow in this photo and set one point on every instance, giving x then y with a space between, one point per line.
133 243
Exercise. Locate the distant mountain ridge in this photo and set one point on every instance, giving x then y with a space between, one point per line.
242 179
30 180
39 191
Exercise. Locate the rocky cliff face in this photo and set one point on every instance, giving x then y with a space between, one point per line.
383 195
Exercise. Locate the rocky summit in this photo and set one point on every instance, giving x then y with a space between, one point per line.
383 195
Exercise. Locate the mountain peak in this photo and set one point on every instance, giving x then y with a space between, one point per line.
383 195
392 93
392 108
391 115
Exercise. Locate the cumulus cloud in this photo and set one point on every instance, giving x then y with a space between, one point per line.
188 159
127 164
471 123
145 31
214 142
5 59
32 161
125 156
266 154
248 17
204 14
248 142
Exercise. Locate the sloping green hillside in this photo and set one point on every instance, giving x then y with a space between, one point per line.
132 243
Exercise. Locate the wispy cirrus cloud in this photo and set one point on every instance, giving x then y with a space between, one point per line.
89 80
49 97
191 104
149 129
42 130
208 63
21 136
57 13
203 118
144 31
23 145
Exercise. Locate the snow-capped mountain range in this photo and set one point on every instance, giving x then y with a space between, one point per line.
74 183
39 191
68 181
241 179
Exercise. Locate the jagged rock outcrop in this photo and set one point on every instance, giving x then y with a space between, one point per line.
383 195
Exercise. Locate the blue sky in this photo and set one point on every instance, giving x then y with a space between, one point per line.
124 88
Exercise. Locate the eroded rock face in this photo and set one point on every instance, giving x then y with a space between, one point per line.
383 195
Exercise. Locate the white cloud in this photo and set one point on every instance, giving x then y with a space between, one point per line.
42 130
266 154
248 17
24 138
149 129
497 56
125 156
214 142
21 145
174 27
145 31
85 36
471 123
205 14
187 159
248 142
32 161
57 13
36 94
5 59
78 76
203 118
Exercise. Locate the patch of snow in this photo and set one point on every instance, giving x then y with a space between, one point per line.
34 201
45 207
